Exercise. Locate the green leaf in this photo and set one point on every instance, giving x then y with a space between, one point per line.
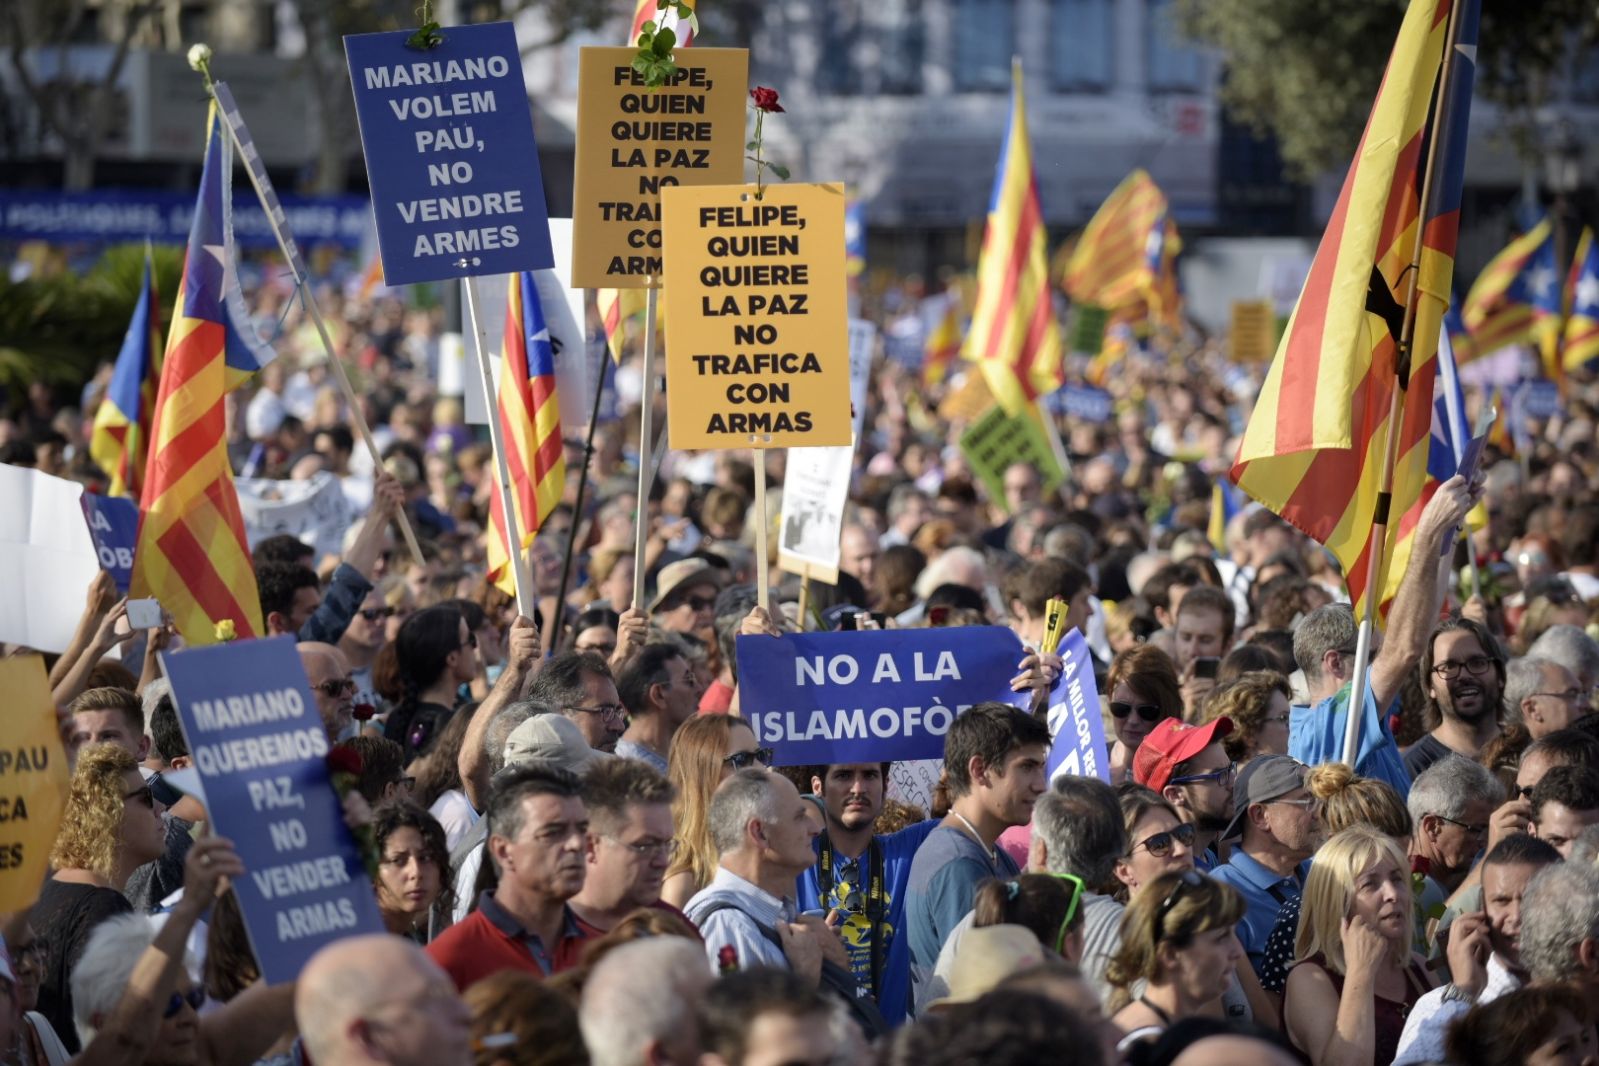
664 40
779 169
752 146
650 28
642 64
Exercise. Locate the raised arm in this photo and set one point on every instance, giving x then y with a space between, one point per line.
102 596
105 638
521 659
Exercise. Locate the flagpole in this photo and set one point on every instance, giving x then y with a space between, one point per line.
577 507
229 110
526 600
1378 543
762 593
646 473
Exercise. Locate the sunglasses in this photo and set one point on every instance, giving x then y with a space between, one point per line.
142 794
336 687
194 998
1159 844
372 614
1149 712
1186 879
743 760
1225 775
701 603
1071 908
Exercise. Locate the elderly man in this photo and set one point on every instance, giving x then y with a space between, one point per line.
641 1004
1463 674
858 551
1543 695
380 999
1560 928
579 685
1569 646
1324 649
1450 805
1276 818
331 686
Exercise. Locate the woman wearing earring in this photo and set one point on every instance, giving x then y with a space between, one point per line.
1143 689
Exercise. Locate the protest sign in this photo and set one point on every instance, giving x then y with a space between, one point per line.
1083 402
258 743
757 351
314 510
34 780
862 341
1075 723
47 560
873 695
1254 332
997 440
1540 398
114 529
1088 328
633 141
450 155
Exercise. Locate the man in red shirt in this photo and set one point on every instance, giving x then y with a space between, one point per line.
538 836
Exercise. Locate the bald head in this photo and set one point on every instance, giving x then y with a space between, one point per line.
380 999
331 684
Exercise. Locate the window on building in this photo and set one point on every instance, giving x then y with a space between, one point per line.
1082 39
1174 64
901 46
838 71
985 40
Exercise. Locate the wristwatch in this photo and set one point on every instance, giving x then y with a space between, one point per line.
1453 993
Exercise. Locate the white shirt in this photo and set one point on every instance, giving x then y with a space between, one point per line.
1430 1019
455 814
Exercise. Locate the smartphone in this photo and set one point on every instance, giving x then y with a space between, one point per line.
1207 667
846 622
144 614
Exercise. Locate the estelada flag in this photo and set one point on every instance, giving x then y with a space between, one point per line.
1582 327
120 443
192 553
1314 447
1514 292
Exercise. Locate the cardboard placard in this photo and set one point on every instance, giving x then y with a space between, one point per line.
34 780
633 141
1254 331
997 440
757 341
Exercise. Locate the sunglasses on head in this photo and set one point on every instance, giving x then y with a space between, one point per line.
1149 712
1186 879
194 998
1076 884
743 760
1159 844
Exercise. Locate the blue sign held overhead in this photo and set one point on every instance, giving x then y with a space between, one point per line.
1082 401
450 155
1078 729
114 529
872 695
259 746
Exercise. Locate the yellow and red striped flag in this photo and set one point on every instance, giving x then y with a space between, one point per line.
192 553
647 11
1582 301
1502 306
1117 259
530 428
1313 449
120 444
1013 334
616 306
943 343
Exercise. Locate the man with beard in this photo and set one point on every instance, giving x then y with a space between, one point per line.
538 835
862 878
1463 672
1484 949
1189 767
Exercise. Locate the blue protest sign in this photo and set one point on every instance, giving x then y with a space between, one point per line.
1078 729
1084 402
1540 399
258 743
873 695
450 155
114 529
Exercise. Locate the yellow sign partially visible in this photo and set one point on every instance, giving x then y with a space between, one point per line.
757 335
33 780
1254 331
633 141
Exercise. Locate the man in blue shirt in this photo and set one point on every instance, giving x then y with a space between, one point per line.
862 878
1324 648
1277 820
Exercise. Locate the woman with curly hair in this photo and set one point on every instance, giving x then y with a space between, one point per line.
706 750
1143 689
1257 704
414 892
112 826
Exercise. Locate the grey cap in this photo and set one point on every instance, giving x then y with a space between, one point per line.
550 739
1263 779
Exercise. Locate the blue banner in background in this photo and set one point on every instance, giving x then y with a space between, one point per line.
258 743
122 215
114 529
1082 401
1075 722
872 695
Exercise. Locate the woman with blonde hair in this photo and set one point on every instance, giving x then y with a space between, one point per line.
1257 704
1143 689
706 750
1177 937
1354 979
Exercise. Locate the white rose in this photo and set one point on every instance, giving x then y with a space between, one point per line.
199 56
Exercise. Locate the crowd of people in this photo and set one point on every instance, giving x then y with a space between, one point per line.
584 854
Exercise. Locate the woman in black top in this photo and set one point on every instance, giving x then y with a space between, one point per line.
111 827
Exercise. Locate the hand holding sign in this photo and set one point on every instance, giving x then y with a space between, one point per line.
210 860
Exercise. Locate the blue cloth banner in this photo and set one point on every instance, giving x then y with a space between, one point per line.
258 743
1075 722
871 695
114 529
448 138
114 216
1082 401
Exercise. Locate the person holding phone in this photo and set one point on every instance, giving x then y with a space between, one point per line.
1203 634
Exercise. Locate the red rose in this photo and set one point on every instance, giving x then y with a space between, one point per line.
765 99
363 712
342 760
727 959
1420 864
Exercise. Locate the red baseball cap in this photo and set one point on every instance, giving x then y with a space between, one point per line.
1171 742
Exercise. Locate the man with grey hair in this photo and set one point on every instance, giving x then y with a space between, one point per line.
1569 646
1560 927
579 685
763 833
1324 649
1543 696
641 1004
367 1000
908 508
1450 805
475 763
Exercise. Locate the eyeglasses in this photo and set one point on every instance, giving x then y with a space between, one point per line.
471 641
1472 830
1149 712
194 997
608 712
1523 792
1306 803
1071 908
143 795
372 614
336 687
1449 669
649 849
1159 844
1224 776
743 760
698 603
1186 879
1569 696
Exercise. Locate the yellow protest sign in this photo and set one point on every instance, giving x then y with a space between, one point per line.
633 141
33 781
997 440
757 335
1254 331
